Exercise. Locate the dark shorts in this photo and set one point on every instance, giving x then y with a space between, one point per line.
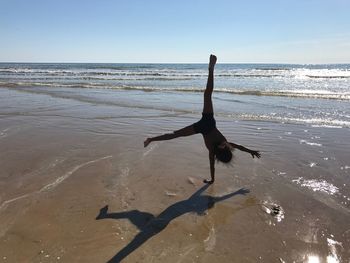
206 124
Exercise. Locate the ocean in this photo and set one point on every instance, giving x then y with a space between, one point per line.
315 95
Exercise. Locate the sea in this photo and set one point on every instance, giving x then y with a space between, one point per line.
316 95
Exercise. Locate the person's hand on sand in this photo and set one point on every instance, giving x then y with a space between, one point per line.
146 142
255 153
206 181
212 62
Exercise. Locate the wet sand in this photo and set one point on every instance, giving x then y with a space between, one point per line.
63 160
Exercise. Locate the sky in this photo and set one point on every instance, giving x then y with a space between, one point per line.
175 31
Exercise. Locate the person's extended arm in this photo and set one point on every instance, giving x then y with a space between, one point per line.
212 169
244 149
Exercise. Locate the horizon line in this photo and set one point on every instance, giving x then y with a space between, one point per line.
199 63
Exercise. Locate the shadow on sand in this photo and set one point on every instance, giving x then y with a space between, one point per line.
150 225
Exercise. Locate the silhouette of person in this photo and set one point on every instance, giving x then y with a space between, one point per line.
150 225
219 148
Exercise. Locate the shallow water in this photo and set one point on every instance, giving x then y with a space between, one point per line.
307 94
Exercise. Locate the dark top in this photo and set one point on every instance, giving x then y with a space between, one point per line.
206 124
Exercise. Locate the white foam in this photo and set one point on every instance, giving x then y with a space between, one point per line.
326 126
305 73
317 185
53 184
192 180
210 241
310 143
171 194
3 133
148 151
314 122
5 203
124 172
60 179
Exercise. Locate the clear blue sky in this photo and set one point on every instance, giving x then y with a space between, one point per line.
285 31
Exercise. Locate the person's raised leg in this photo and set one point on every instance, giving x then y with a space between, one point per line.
208 104
187 131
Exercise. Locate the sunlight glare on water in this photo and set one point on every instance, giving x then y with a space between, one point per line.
313 259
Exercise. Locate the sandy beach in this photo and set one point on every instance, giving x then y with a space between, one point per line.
63 161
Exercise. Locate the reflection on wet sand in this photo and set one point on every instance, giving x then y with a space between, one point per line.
313 259
150 225
333 254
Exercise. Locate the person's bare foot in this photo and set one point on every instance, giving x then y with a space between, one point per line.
146 142
212 62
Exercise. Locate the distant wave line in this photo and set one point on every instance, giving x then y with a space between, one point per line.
179 74
317 94
327 77
336 73
320 122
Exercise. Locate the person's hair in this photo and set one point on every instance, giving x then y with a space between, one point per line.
223 154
